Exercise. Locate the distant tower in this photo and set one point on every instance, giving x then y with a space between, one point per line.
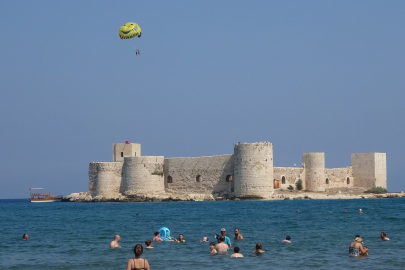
314 171
369 170
253 170
143 175
121 150
105 179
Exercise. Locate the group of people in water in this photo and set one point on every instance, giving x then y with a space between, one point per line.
223 245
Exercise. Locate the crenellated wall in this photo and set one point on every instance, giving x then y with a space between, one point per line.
105 179
203 175
253 170
143 175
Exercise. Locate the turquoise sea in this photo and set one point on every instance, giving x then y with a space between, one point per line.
77 235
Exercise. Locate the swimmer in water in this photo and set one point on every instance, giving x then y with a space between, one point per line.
157 237
221 247
360 211
25 236
213 249
180 239
236 254
287 240
345 211
148 244
384 237
258 249
115 243
138 262
238 235
205 239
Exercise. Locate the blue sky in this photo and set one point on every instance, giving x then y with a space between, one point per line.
312 76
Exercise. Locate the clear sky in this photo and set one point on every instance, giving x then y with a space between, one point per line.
308 76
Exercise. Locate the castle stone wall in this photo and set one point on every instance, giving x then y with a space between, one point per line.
381 170
291 174
338 177
201 175
143 175
105 178
253 169
369 170
314 171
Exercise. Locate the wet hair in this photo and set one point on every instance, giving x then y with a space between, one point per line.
287 238
258 246
156 233
212 244
24 235
138 250
383 234
148 242
222 239
181 235
236 249
357 236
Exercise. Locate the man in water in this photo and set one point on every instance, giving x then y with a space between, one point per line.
205 239
25 236
287 240
238 236
221 247
236 254
213 250
360 211
114 243
157 237
227 240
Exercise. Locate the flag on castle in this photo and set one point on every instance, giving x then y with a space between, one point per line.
127 142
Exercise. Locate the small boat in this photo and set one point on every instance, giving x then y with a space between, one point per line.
44 197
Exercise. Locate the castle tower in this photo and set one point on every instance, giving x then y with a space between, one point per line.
314 164
142 175
105 179
253 170
122 150
369 170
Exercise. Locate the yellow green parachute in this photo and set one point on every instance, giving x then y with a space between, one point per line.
130 30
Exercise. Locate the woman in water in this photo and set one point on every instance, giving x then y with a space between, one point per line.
137 263
258 249
148 244
384 237
356 248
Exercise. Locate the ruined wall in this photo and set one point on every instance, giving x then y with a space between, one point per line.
314 164
291 174
337 177
253 169
105 178
143 175
203 175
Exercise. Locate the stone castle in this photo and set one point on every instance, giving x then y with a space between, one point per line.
247 173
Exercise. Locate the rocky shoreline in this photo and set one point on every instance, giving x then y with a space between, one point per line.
277 195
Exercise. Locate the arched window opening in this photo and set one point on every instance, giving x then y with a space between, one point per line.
229 178
283 180
348 180
327 181
198 178
169 179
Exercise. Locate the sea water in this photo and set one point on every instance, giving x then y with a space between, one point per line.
77 235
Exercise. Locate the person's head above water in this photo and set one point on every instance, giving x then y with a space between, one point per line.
222 239
288 238
212 245
25 236
236 231
117 238
259 246
205 239
148 242
157 233
181 237
138 250
236 249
